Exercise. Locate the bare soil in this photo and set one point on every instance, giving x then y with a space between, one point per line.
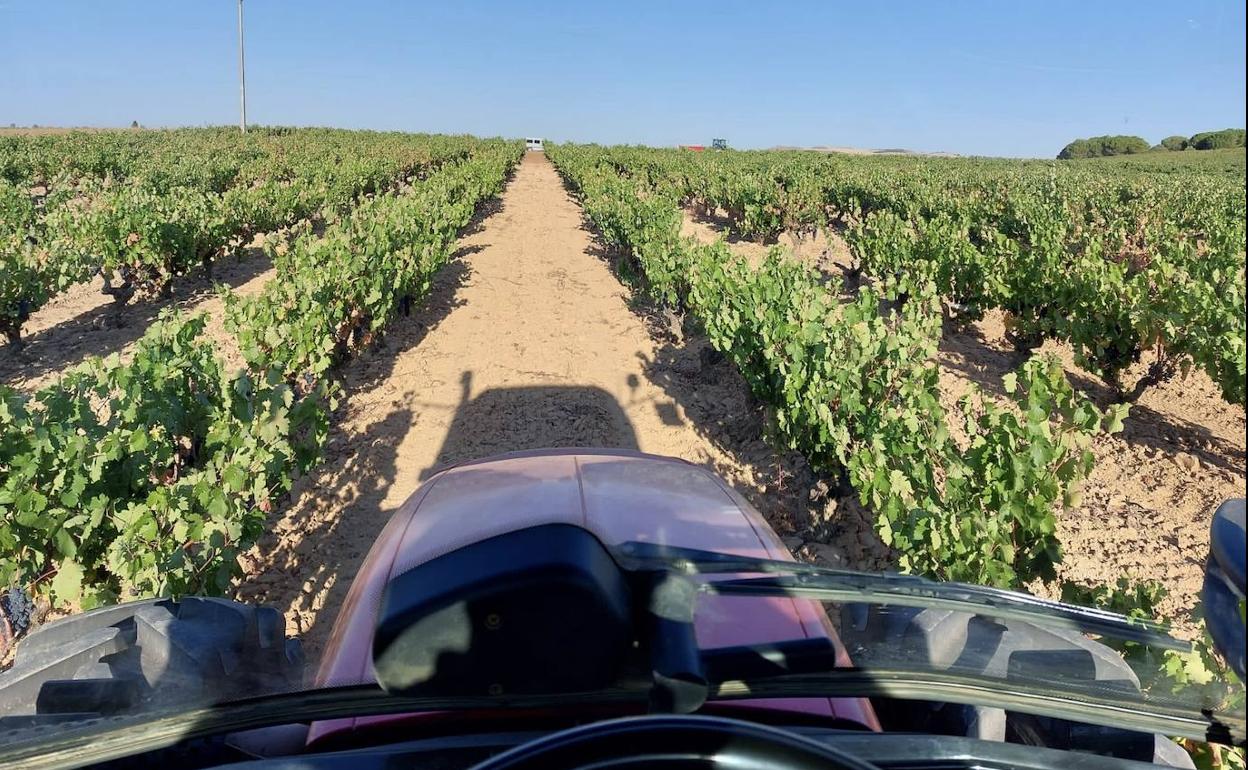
824 250
527 340
1147 505
83 321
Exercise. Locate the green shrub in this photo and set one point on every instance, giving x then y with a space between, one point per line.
1217 140
1172 143
1199 674
1099 146
146 478
852 386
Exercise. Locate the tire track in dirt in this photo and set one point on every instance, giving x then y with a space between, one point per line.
526 341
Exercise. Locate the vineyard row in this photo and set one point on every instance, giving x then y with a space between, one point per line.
140 237
150 477
853 387
1114 261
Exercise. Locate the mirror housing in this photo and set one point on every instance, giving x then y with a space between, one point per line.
543 610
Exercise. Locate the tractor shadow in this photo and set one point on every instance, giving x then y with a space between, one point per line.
500 420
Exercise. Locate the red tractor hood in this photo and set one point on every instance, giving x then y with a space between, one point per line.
618 496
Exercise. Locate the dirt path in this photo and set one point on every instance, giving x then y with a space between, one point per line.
82 321
527 341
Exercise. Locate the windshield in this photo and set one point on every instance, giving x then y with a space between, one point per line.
1039 659
910 339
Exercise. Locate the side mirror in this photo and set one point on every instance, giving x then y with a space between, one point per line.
1224 589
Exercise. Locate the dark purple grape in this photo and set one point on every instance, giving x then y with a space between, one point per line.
17 606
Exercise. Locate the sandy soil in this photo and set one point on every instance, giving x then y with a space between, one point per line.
530 340
83 321
1147 504
527 340
824 250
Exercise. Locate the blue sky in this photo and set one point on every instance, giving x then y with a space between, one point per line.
1000 78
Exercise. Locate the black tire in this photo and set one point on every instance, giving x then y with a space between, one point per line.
149 654
1009 650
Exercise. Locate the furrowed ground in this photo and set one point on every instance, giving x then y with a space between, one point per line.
148 472
1147 505
918 327
452 318
83 322
527 341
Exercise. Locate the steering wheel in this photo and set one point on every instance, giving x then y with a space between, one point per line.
673 742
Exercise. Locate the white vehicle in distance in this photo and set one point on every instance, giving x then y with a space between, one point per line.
533 145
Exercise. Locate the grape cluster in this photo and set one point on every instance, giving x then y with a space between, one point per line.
16 608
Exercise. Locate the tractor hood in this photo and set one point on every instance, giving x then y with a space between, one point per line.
619 496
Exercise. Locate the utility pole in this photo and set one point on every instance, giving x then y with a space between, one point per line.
242 74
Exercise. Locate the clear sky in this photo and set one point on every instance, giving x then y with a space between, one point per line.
1000 77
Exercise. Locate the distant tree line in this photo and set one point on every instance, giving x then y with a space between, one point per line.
1098 146
1216 140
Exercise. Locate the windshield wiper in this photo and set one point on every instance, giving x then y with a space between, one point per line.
1109 707
770 673
808 580
101 739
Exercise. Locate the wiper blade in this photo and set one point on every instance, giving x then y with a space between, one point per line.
1110 707
953 596
101 739
829 584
